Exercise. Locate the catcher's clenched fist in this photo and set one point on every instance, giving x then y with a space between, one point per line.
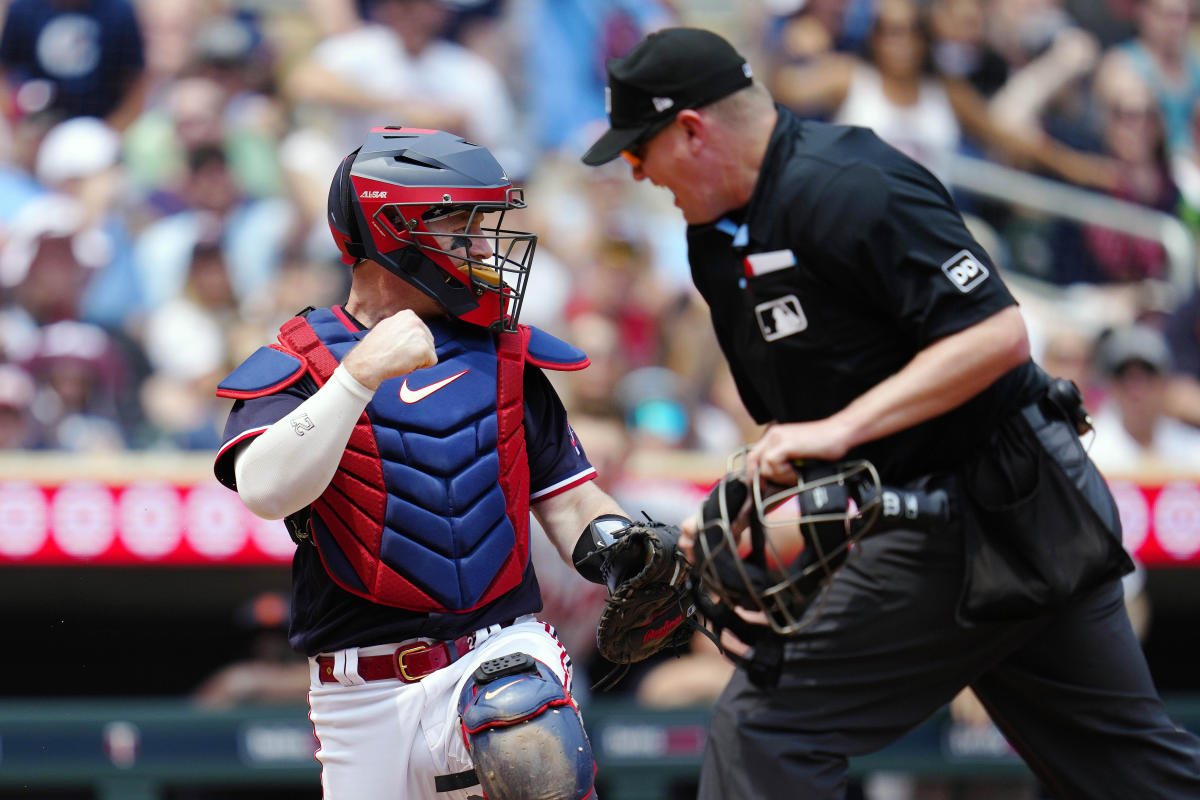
396 346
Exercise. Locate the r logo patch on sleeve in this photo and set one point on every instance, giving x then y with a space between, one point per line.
965 271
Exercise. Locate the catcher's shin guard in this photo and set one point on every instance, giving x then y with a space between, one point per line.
524 733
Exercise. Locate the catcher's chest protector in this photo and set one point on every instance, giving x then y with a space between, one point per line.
429 508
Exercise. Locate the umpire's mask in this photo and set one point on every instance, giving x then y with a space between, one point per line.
773 548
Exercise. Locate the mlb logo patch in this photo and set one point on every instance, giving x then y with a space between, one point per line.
780 317
965 271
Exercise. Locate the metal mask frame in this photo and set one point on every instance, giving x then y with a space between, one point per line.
783 592
505 274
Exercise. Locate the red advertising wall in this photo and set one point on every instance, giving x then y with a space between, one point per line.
146 511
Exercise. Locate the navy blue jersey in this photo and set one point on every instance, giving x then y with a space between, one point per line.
326 617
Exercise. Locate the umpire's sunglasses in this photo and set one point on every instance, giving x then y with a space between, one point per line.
635 153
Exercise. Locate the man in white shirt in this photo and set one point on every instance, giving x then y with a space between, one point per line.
1133 432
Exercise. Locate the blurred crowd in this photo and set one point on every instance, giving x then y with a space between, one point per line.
164 167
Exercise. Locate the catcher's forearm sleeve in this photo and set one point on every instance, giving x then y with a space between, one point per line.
286 467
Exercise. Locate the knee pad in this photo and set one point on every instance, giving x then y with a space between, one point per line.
524 732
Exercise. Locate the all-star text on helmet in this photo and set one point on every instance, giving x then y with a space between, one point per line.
385 195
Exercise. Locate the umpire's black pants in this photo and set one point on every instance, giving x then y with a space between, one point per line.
1071 691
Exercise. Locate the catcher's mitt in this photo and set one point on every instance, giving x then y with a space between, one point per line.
649 604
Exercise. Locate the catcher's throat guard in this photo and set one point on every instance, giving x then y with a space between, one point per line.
772 548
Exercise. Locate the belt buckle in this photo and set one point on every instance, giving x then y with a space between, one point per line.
420 646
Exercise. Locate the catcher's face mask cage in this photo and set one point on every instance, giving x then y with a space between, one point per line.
429 206
470 244
749 533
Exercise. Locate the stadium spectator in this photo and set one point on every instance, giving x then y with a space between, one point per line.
222 98
79 158
80 378
50 257
961 48
253 232
1133 135
1051 91
78 57
398 66
1133 433
188 343
808 29
1163 56
563 61
925 115
620 284
1067 352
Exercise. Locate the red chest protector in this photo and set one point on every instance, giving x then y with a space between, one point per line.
352 523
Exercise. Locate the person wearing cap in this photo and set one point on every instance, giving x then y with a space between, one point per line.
862 321
1134 434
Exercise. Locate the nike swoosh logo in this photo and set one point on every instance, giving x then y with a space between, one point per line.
488 695
415 395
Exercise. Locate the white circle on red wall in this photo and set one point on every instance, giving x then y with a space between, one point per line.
1177 519
1134 512
270 536
150 519
23 518
83 516
215 525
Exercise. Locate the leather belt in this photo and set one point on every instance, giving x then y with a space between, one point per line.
409 662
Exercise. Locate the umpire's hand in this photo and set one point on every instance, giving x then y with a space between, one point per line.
394 347
771 458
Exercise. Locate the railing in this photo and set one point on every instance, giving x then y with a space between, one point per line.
999 182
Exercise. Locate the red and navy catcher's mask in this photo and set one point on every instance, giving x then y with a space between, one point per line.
384 194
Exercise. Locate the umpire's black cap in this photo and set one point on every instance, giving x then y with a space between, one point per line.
668 71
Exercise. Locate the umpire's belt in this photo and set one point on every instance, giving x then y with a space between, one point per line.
409 662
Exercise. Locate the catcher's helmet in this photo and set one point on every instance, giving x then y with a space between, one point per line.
386 192
830 507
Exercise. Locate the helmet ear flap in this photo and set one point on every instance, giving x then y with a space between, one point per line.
341 208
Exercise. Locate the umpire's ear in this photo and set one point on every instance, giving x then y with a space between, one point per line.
697 128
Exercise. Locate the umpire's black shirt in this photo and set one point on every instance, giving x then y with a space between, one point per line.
848 260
